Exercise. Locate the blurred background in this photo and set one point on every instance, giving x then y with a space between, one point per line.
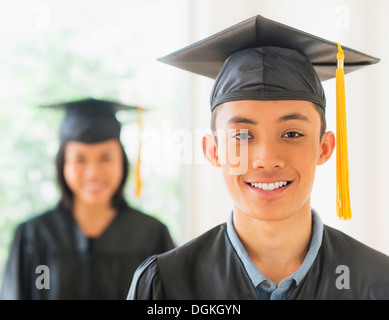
57 50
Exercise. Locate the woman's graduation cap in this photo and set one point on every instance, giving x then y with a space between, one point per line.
260 59
93 120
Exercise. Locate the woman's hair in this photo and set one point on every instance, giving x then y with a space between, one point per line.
66 201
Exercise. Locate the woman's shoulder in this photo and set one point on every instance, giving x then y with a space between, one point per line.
40 218
137 216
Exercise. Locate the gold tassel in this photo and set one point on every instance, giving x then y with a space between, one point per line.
343 207
138 179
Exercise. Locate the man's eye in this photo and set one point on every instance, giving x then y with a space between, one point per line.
242 136
292 134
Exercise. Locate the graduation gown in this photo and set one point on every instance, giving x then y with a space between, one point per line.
80 267
208 268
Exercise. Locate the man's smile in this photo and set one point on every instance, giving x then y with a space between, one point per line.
267 187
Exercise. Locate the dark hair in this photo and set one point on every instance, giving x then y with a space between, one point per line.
66 201
319 109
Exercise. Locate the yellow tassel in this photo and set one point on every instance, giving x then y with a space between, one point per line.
138 179
343 207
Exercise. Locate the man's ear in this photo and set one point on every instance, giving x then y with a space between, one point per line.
327 146
210 149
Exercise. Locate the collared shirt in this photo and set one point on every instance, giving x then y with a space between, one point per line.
266 289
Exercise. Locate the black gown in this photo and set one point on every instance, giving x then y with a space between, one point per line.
208 268
80 267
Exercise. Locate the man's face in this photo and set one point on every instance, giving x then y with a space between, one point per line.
278 146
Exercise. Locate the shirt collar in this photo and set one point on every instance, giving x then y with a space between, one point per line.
254 274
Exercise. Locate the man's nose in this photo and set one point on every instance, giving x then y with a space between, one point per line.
267 154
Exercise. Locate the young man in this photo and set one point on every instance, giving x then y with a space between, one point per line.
268 104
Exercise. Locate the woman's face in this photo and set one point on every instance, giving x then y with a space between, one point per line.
93 171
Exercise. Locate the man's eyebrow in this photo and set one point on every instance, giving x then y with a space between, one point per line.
293 116
287 117
239 119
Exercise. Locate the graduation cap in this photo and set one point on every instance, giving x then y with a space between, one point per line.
92 120
261 59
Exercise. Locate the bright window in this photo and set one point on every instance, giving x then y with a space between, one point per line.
53 51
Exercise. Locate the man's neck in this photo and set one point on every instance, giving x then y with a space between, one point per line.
277 248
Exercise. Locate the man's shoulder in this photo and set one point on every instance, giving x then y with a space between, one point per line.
179 263
348 248
199 245
344 269
207 268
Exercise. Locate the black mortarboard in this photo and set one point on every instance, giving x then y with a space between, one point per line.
93 120
90 120
280 59
260 59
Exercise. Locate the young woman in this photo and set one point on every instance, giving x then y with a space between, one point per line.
89 245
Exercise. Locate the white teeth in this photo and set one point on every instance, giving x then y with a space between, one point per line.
269 186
